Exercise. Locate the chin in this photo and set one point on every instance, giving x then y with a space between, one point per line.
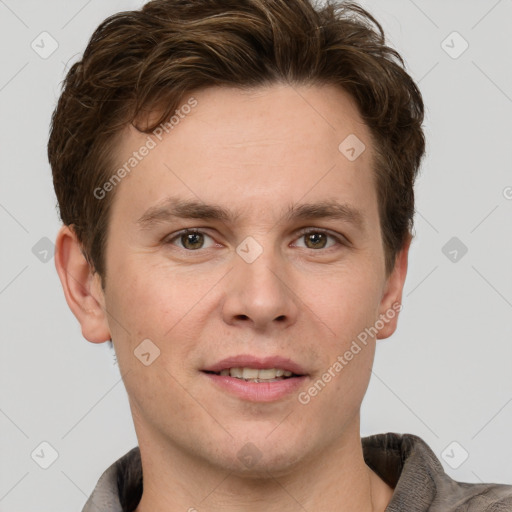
262 455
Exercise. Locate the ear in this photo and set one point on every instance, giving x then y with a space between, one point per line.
391 302
82 287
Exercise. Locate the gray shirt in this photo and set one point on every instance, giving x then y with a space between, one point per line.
404 461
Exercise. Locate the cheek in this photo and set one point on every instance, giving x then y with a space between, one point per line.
350 303
159 302
150 297
349 309
145 304
337 390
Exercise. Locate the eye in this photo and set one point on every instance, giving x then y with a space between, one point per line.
191 239
194 239
317 238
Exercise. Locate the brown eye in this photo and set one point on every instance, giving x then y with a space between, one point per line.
318 239
315 240
190 240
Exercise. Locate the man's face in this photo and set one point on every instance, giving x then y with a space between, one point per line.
252 287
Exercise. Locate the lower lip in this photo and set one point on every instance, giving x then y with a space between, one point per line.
257 391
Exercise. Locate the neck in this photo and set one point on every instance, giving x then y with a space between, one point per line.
336 478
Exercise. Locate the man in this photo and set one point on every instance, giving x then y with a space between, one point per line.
235 180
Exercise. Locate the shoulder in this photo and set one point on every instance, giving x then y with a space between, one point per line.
120 486
487 497
408 464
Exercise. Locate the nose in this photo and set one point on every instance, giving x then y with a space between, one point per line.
260 293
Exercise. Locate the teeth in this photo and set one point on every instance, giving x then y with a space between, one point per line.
270 373
256 374
237 372
250 373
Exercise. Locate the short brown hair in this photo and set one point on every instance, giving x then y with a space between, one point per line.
147 60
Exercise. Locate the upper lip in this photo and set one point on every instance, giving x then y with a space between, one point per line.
248 361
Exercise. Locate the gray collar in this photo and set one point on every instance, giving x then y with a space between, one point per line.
403 461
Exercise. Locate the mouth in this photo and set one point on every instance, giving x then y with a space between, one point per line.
256 379
256 374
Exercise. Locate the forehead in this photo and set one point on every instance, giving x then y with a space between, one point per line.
254 147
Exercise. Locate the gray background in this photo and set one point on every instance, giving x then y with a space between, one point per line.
445 375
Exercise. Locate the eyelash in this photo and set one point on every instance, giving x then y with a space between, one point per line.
340 241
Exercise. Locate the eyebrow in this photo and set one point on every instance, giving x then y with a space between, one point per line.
175 208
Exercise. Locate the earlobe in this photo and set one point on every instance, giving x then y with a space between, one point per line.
80 285
391 302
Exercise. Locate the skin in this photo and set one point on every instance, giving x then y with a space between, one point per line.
254 151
